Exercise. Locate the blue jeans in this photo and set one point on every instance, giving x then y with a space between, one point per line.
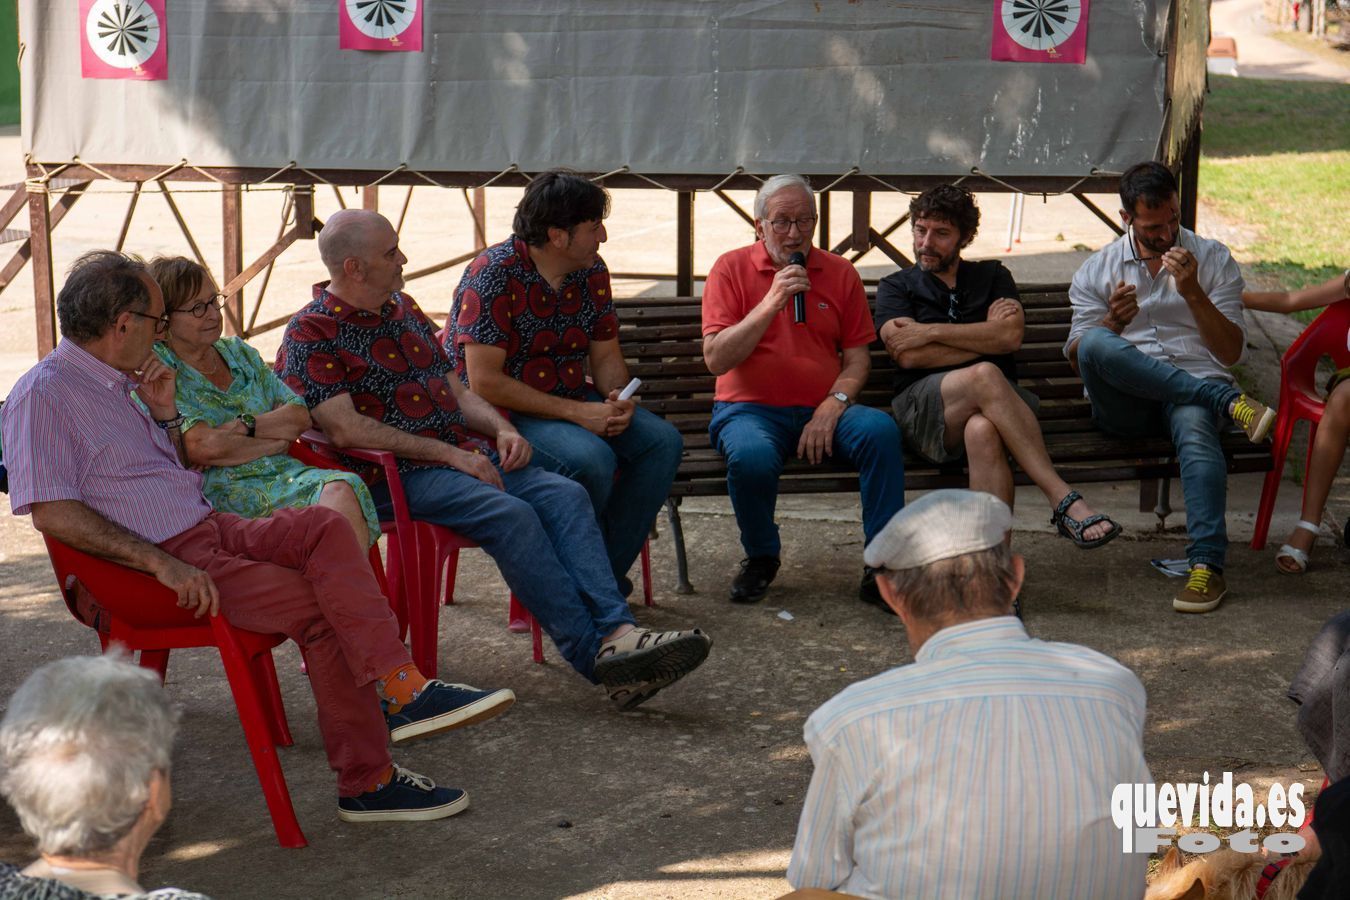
540 533
756 440
645 456
1118 376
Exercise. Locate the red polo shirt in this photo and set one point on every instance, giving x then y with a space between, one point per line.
793 365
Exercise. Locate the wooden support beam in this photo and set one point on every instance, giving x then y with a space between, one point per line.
25 251
1097 211
889 249
862 220
286 209
370 197
232 238
440 266
235 285
16 202
825 219
306 225
684 244
131 172
735 207
126 221
44 289
478 208
403 213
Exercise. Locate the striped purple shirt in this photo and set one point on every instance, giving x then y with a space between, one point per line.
72 431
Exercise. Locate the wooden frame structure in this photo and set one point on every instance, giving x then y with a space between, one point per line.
52 190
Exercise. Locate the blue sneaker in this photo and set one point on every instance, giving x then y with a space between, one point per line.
441 707
408 797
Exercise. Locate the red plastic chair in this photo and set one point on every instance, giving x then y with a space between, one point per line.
414 550
1299 399
135 610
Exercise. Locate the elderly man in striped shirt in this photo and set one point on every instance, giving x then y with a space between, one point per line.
99 474
984 768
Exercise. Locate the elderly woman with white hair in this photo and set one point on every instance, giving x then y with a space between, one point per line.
84 761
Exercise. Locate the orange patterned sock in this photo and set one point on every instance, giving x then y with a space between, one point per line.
384 779
401 686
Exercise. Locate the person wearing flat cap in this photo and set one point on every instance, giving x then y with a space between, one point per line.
985 767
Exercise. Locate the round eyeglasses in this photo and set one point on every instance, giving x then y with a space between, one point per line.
199 309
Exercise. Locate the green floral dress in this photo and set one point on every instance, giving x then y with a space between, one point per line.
258 488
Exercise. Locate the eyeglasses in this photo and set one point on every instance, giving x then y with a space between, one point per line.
161 322
953 310
199 309
783 226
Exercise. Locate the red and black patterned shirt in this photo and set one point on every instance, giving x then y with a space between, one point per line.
388 361
504 302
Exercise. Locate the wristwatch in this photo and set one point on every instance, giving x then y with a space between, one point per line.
842 398
250 423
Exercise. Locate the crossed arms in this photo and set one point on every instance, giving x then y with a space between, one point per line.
915 345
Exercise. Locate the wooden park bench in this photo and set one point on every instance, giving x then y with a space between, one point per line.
662 339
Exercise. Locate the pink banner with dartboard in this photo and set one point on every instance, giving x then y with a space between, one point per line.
123 39
1052 31
380 25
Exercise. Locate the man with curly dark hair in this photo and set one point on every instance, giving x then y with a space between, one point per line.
951 326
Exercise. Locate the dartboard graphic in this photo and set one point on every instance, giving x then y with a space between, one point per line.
1041 24
122 33
381 19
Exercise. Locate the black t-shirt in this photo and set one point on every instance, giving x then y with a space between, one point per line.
915 294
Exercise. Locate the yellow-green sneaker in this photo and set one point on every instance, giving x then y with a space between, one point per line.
1253 417
1204 591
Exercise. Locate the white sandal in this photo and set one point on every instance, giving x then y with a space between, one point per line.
1295 555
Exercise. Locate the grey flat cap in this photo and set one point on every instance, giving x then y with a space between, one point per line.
939 525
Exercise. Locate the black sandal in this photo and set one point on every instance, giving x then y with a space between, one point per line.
1073 529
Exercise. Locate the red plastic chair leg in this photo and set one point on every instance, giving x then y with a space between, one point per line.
158 660
517 618
265 670
254 719
647 573
1279 450
536 637
450 564
424 606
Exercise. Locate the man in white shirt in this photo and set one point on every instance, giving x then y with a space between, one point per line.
1157 322
985 768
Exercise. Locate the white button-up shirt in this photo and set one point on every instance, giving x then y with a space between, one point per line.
1164 328
984 769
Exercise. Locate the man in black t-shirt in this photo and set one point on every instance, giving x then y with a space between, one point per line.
951 326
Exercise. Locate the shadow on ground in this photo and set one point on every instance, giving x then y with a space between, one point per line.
696 794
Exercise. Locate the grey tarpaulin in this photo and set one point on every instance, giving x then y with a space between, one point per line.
657 85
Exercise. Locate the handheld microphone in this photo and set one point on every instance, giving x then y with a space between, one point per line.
799 298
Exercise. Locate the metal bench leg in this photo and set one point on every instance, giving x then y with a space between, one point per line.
1155 495
682 585
1163 508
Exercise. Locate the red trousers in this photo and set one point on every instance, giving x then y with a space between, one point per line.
302 573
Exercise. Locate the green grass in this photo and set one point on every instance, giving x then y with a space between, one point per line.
1276 157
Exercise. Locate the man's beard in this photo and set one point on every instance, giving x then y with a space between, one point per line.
1154 245
944 263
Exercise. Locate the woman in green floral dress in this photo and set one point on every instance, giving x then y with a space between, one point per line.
239 418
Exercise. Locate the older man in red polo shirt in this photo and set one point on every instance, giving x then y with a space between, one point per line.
786 386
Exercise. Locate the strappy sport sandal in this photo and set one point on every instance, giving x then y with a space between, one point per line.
1073 529
1298 557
